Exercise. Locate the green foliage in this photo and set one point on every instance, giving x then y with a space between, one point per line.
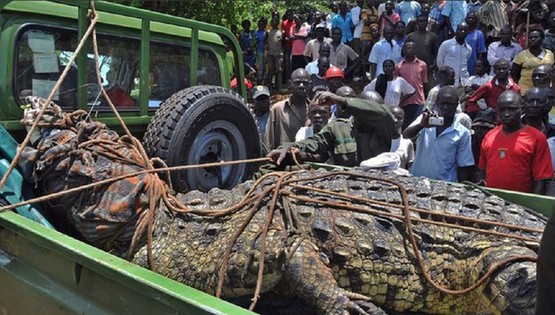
227 12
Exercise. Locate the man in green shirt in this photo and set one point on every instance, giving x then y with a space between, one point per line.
348 141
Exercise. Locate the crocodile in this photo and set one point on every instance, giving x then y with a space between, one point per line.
329 251
340 242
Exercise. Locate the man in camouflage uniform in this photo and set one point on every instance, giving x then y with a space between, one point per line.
348 141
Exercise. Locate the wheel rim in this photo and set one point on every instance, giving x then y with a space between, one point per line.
218 141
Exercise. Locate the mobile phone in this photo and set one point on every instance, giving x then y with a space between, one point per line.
435 121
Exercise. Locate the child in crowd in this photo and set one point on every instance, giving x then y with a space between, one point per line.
444 76
261 39
481 77
388 17
318 81
318 115
247 38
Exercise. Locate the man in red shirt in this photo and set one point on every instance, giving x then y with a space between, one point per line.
490 91
415 72
515 156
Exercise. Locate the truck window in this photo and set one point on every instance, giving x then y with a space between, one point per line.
42 55
208 71
169 70
119 59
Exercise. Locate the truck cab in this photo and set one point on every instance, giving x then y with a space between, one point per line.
145 58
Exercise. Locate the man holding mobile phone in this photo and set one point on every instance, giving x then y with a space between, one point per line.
444 149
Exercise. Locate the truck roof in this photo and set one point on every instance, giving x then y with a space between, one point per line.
130 17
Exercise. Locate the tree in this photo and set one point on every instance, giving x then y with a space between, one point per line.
227 12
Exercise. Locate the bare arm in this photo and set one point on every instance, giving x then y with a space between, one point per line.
372 71
284 155
515 72
413 130
329 98
379 21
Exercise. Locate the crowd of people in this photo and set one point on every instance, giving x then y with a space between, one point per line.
449 90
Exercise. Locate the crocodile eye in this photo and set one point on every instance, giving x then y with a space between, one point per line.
305 213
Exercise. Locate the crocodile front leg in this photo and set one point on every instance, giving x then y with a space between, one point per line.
311 280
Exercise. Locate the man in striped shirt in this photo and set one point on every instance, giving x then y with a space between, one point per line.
492 15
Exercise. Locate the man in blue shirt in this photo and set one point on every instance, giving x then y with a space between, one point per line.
408 10
474 5
444 150
476 40
261 39
343 21
454 13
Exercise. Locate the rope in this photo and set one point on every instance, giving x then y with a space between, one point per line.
277 189
412 239
420 210
124 176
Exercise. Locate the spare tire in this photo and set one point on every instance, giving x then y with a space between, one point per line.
204 124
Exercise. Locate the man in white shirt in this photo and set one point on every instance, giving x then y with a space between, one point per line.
385 49
334 9
358 23
455 53
324 51
312 48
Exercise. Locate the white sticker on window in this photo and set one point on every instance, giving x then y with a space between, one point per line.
5 258
45 63
42 88
41 43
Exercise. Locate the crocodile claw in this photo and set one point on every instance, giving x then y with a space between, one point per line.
366 308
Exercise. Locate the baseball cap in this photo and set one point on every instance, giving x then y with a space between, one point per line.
260 90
